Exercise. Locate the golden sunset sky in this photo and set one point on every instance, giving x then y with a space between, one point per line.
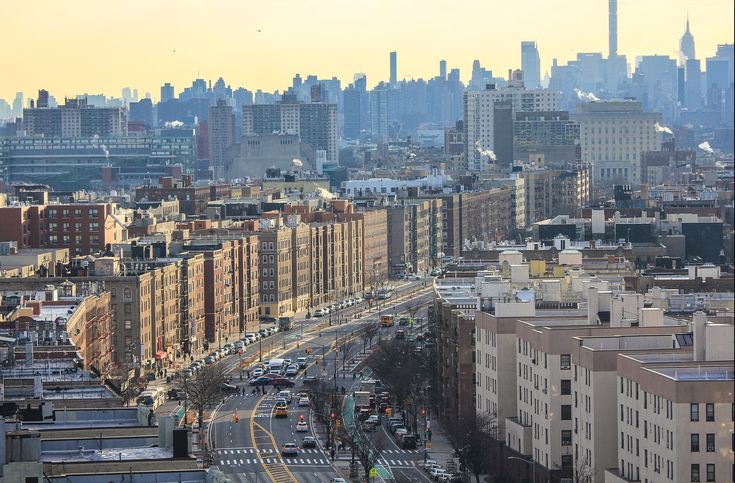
99 46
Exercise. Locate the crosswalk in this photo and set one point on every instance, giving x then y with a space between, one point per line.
243 451
274 460
395 458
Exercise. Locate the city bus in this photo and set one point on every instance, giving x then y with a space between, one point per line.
386 321
153 398
285 323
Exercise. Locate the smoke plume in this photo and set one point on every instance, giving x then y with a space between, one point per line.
485 152
660 128
706 147
585 96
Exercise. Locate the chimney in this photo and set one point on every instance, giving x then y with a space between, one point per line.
699 323
592 305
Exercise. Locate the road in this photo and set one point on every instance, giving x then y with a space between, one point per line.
249 449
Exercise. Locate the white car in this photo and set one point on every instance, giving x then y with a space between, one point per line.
286 395
438 473
318 313
304 401
258 372
302 427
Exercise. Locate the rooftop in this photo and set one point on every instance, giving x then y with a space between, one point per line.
698 373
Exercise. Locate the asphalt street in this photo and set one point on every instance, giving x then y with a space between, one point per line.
248 448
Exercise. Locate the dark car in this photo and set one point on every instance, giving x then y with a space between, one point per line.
310 380
281 382
308 442
228 388
176 393
261 381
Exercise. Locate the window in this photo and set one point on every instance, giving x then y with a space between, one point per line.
128 309
710 442
695 473
711 472
128 324
694 412
566 412
709 411
566 437
694 442
565 362
566 387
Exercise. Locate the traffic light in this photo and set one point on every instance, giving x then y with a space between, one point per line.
333 415
423 411
236 419
301 418
388 411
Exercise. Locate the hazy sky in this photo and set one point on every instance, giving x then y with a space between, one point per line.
76 46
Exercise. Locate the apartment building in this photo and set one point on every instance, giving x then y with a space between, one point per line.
191 333
374 262
454 312
83 228
488 119
414 236
525 363
76 118
613 136
276 271
675 414
301 266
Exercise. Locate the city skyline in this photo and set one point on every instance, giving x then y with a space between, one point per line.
153 52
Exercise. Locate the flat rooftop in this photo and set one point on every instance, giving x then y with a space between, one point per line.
697 373
110 454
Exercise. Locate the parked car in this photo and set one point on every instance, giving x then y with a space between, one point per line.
318 313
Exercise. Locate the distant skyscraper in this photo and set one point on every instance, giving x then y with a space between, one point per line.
42 98
530 65
167 92
18 104
351 107
613 27
127 95
693 91
443 69
221 134
686 46
393 69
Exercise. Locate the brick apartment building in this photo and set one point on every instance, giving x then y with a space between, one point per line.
83 228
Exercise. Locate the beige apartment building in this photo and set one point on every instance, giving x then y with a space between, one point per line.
415 236
370 239
525 373
675 413
301 266
276 267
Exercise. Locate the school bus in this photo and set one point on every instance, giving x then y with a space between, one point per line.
386 321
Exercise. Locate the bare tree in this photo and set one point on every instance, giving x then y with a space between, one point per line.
346 347
405 372
367 449
203 389
368 334
475 435
584 472
130 389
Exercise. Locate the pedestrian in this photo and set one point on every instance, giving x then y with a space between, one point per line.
331 453
425 455
248 374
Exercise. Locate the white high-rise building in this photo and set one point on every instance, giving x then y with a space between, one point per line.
479 115
612 136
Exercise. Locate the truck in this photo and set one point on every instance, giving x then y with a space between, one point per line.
285 323
362 399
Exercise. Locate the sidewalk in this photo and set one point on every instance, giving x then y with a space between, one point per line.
441 449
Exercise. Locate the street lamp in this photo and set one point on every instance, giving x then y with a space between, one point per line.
528 461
